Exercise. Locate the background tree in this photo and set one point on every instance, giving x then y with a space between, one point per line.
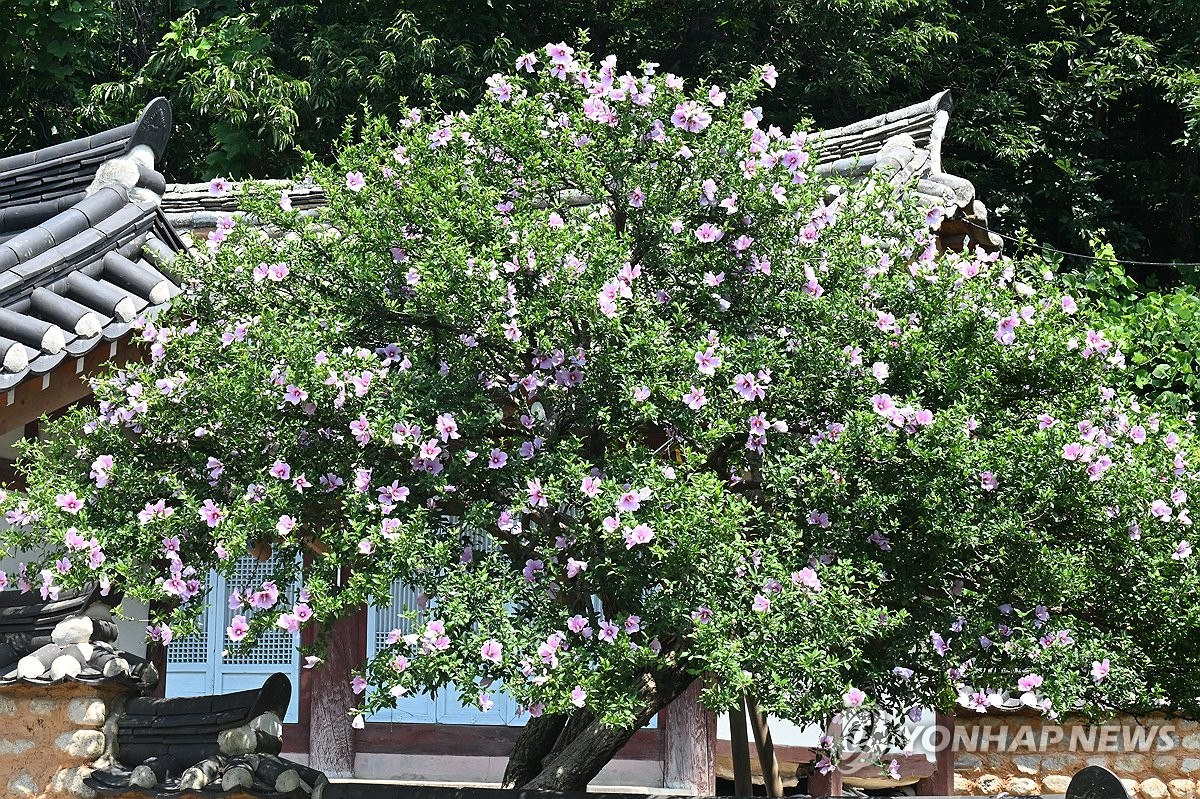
596 370
1077 121
1075 118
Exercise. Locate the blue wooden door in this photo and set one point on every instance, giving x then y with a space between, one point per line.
204 664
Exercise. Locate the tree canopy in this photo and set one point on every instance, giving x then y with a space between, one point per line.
599 371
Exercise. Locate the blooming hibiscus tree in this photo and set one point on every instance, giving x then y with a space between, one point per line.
598 371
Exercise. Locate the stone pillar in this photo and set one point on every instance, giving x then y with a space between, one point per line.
50 735
331 739
689 744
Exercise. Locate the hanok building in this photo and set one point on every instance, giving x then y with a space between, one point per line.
88 230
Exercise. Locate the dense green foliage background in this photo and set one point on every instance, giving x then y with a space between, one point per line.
1078 120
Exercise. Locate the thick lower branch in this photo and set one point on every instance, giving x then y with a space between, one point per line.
533 745
581 760
580 720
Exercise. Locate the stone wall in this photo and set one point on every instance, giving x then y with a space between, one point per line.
1155 757
49 737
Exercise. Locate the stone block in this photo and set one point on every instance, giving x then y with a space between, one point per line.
1022 786
990 784
967 762
86 744
22 785
69 782
87 712
964 786
1192 741
7 707
1027 764
1182 789
1186 725
15 746
1153 788
1167 763
997 762
1056 783
1133 787
42 707
1130 764
1061 762
1189 765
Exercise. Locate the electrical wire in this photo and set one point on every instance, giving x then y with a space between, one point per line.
1055 250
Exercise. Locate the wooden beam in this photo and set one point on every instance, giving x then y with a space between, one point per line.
61 387
689 744
482 740
941 782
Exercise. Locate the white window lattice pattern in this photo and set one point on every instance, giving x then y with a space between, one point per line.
203 663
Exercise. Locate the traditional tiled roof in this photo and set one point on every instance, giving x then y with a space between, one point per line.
193 206
228 743
901 147
84 248
44 182
69 637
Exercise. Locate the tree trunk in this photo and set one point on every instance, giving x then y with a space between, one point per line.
582 759
533 745
579 721
766 748
331 739
739 745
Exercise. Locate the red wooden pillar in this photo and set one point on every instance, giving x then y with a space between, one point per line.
827 784
331 739
941 782
156 653
689 744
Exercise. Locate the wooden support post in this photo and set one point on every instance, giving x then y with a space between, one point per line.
827 784
331 739
156 653
766 748
690 742
941 782
739 745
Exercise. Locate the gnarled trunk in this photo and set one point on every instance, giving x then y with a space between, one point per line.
575 764
535 742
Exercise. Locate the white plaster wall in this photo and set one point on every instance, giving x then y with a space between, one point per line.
785 733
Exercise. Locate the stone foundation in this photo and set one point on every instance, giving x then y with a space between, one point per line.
1155 757
50 735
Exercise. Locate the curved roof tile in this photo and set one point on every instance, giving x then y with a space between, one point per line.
84 245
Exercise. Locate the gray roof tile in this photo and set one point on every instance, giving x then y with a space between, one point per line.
73 266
